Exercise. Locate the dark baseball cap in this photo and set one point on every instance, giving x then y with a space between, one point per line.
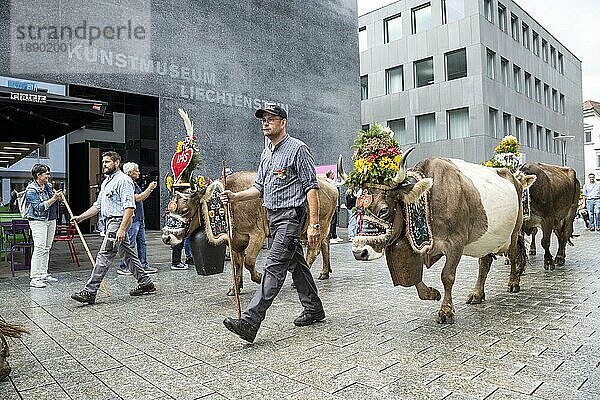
271 108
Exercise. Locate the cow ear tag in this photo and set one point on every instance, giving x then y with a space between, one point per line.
172 205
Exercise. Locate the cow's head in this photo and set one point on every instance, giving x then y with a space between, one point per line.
183 215
379 211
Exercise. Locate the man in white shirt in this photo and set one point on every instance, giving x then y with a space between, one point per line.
591 195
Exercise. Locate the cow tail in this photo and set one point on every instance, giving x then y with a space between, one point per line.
521 254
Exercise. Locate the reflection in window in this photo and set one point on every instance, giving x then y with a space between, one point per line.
491 64
426 128
421 18
502 17
424 72
362 38
452 10
527 84
364 87
506 124
514 26
399 128
504 71
561 63
493 120
517 78
562 104
392 28
525 35
394 80
458 123
536 43
529 135
519 129
544 50
456 64
488 10
539 137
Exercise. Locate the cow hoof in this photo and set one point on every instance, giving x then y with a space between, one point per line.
560 261
549 264
532 252
323 276
475 298
514 288
446 317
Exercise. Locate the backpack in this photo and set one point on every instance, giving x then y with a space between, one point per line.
22 203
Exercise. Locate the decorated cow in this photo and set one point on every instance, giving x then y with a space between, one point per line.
7 330
441 207
190 211
553 200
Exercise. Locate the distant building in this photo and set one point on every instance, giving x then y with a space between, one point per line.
591 134
452 77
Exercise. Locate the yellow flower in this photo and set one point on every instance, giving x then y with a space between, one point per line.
169 182
201 181
179 146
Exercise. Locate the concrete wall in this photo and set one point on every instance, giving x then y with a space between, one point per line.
217 60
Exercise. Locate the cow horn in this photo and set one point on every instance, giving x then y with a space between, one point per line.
340 170
401 174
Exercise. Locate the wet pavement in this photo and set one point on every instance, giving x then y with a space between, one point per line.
377 342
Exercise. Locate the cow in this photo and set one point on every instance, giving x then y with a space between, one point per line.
250 226
475 210
553 201
7 330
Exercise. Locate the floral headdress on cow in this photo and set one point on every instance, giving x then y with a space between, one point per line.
185 159
507 154
377 157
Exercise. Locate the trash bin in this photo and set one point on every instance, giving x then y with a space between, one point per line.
208 259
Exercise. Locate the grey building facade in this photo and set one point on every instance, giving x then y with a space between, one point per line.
452 77
219 61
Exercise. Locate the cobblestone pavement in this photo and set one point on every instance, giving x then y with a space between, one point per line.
377 342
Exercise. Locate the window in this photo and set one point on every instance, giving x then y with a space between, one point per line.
399 128
506 124
525 35
536 43
514 26
424 72
546 95
458 123
452 10
554 100
421 18
426 128
493 120
392 28
488 7
394 80
538 90
517 78
519 129
544 50
539 137
548 140
553 57
456 64
362 38
491 64
529 138
365 127
562 104
504 71
588 134
561 63
502 17
364 87
597 160
527 84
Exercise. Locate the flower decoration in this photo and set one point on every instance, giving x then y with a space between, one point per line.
169 182
201 182
376 157
507 154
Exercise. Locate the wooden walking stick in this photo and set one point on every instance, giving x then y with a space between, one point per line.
236 291
87 249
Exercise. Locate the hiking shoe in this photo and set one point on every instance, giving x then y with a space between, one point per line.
150 270
179 266
189 261
37 283
143 289
241 328
49 278
123 271
84 297
309 317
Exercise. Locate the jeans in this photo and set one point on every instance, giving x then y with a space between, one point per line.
43 236
176 252
352 225
593 207
137 236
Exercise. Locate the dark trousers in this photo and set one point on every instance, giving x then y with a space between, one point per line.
286 254
333 226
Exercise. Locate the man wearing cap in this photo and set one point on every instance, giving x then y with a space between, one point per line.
286 180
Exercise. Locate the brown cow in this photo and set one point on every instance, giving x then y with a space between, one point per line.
250 226
475 210
554 198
